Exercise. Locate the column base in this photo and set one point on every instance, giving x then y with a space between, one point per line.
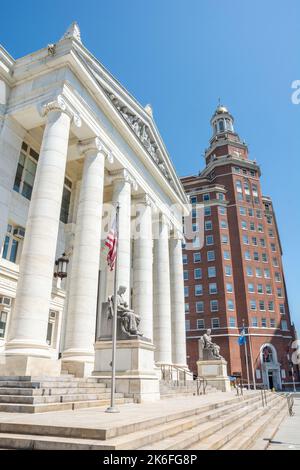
215 372
29 365
135 370
78 363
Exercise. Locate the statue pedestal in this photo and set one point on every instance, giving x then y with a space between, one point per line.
215 372
136 375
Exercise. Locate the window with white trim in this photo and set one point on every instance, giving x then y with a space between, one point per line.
26 170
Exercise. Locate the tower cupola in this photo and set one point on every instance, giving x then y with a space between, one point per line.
222 121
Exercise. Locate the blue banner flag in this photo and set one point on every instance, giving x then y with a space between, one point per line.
242 338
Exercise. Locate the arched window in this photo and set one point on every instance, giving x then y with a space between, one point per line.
267 354
221 126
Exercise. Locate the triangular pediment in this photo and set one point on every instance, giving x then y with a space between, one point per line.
139 119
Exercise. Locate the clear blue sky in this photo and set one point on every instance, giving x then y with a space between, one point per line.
180 56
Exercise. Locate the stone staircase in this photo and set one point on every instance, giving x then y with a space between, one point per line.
173 389
217 421
40 394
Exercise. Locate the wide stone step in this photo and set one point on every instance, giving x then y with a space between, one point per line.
232 428
52 391
50 384
47 407
56 398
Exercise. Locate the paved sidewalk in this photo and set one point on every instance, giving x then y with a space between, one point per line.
288 434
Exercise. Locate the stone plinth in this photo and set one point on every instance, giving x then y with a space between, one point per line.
26 365
135 370
215 372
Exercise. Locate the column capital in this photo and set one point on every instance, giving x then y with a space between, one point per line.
146 200
166 221
95 145
59 103
124 175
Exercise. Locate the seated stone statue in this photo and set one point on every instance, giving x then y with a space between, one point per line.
207 348
129 320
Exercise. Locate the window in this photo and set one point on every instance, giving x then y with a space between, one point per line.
252 172
211 255
228 271
184 259
198 289
246 187
195 228
222 210
245 239
193 199
271 233
252 304
220 196
273 247
223 224
215 323
236 169
65 204
200 324
187 308
229 287
271 306
194 213
272 323
224 238
186 291
264 257
185 275
258 214
214 305
3 323
254 241
197 257
249 271
256 256
238 185
267 273
244 225
240 197
269 219
208 225
247 255
232 322
264 323
243 210
260 228
226 255
258 272
187 325
207 211
275 262
260 289
230 304
282 309
268 289
284 325
12 243
198 273
200 307
251 287
209 239
262 306
250 212
262 242
279 292
252 226
206 197
254 190
254 322
26 171
277 277
211 270
213 288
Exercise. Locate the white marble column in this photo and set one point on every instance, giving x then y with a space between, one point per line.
177 300
28 325
122 184
143 265
161 294
78 356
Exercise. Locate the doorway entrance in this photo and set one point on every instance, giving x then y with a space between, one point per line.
270 379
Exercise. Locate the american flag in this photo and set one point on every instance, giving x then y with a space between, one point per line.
110 245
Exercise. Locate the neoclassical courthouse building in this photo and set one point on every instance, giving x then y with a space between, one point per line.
73 141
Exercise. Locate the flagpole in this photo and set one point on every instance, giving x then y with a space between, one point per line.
251 358
246 354
112 408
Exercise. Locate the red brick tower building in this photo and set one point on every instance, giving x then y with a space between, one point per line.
234 273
